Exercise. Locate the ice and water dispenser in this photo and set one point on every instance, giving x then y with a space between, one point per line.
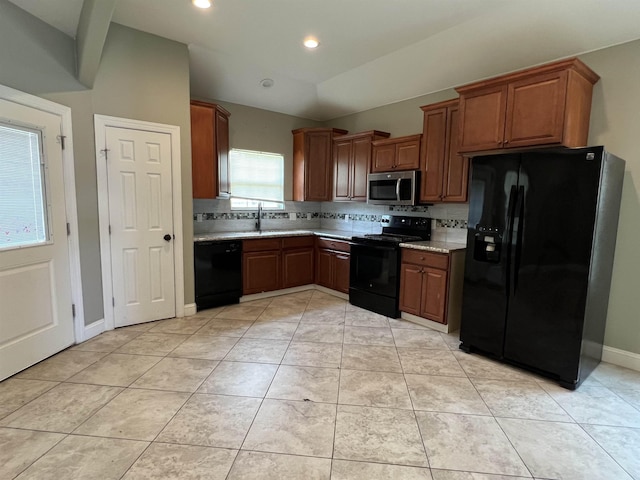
488 244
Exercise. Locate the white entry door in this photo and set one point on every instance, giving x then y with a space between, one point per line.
141 225
36 317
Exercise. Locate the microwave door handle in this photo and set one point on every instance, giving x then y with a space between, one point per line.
398 189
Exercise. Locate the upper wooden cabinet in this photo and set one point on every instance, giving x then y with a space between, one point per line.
209 150
444 171
352 163
546 105
312 163
400 153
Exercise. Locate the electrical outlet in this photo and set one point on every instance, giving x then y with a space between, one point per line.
308 216
198 217
292 216
346 218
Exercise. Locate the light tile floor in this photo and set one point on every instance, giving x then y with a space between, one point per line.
306 386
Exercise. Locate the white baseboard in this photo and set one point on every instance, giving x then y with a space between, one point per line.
190 309
93 329
285 291
621 358
424 322
274 293
335 293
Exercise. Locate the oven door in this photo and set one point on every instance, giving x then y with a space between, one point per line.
374 269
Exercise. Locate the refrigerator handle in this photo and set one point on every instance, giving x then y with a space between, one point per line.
511 208
519 216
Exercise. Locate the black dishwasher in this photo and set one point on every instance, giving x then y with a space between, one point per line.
218 272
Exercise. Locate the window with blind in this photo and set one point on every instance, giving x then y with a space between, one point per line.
23 209
256 177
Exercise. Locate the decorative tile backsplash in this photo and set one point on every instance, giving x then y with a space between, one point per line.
449 220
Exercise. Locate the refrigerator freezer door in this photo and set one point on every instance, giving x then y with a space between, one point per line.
554 228
491 200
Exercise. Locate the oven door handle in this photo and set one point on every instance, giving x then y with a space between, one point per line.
398 189
371 245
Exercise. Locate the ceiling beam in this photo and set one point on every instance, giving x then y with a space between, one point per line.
91 35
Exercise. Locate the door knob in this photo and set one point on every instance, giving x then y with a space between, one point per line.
167 237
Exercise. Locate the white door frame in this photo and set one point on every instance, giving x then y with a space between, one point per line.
21 98
101 122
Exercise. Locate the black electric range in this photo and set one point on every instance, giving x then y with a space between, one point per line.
374 281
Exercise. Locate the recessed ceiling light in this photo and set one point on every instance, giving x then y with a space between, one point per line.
201 3
267 82
310 42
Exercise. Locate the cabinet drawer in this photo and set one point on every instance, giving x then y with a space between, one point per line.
426 259
332 244
297 242
261 244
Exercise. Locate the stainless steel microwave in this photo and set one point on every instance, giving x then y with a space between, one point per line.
393 188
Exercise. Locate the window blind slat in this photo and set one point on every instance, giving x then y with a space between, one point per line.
256 175
22 201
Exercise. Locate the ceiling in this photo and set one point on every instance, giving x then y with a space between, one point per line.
371 53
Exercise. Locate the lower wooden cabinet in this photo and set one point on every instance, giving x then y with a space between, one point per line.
297 267
431 285
274 263
260 271
333 264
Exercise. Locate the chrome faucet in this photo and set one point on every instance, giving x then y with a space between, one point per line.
259 221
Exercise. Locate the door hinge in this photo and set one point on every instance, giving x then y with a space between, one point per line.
68 229
105 152
61 140
109 229
113 302
73 310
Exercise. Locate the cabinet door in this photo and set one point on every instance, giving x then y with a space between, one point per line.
407 155
342 168
318 166
482 118
297 267
203 160
222 150
383 158
410 288
324 268
434 149
456 167
342 263
260 272
434 293
361 164
535 110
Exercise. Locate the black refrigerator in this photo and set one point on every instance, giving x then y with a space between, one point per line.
540 247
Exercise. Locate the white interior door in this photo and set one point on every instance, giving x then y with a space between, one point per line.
36 317
141 225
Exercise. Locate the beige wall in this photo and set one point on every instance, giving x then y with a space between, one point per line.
399 119
142 77
265 131
615 123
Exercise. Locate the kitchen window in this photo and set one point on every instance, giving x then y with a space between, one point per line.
23 208
256 177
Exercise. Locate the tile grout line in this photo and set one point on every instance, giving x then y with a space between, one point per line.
340 368
261 401
413 409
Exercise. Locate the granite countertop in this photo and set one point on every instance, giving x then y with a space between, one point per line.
337 234
438 247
